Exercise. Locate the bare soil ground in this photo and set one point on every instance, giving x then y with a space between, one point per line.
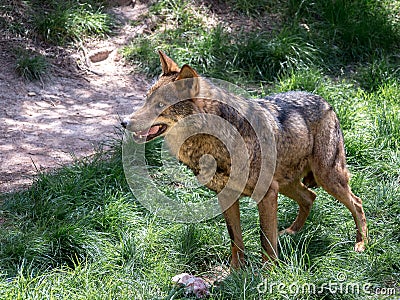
47 124
44 125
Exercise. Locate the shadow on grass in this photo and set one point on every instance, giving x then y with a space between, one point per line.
66 216
326 34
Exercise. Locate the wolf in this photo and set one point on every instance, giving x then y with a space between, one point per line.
306 135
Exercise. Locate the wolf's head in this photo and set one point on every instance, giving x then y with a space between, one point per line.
169 100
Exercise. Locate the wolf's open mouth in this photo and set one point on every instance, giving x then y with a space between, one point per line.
151 133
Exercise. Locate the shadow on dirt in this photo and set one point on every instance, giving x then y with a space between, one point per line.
49 123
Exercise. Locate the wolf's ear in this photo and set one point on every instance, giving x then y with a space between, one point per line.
191 83
187 72
168 66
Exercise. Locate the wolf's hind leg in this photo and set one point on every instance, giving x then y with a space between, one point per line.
336 184
330 172
304 198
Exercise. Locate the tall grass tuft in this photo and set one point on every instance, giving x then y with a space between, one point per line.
31 66
64 22
263 57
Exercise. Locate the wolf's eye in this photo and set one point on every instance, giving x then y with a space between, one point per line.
161 105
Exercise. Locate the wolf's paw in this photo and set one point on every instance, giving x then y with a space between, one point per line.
359 247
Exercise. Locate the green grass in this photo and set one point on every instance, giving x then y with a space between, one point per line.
79 233
350 30
71 21
56 22
249 7
328 34
45 23
249 56
31 66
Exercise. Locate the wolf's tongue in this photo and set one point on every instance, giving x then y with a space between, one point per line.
153 129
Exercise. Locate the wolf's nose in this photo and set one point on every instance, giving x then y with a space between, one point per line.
124 124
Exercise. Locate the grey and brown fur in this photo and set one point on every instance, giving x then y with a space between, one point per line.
309 149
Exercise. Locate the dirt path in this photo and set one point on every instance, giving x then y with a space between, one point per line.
43 124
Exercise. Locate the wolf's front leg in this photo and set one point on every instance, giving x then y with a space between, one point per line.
268 213
232 219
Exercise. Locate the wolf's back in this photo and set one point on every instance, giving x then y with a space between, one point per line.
285 106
